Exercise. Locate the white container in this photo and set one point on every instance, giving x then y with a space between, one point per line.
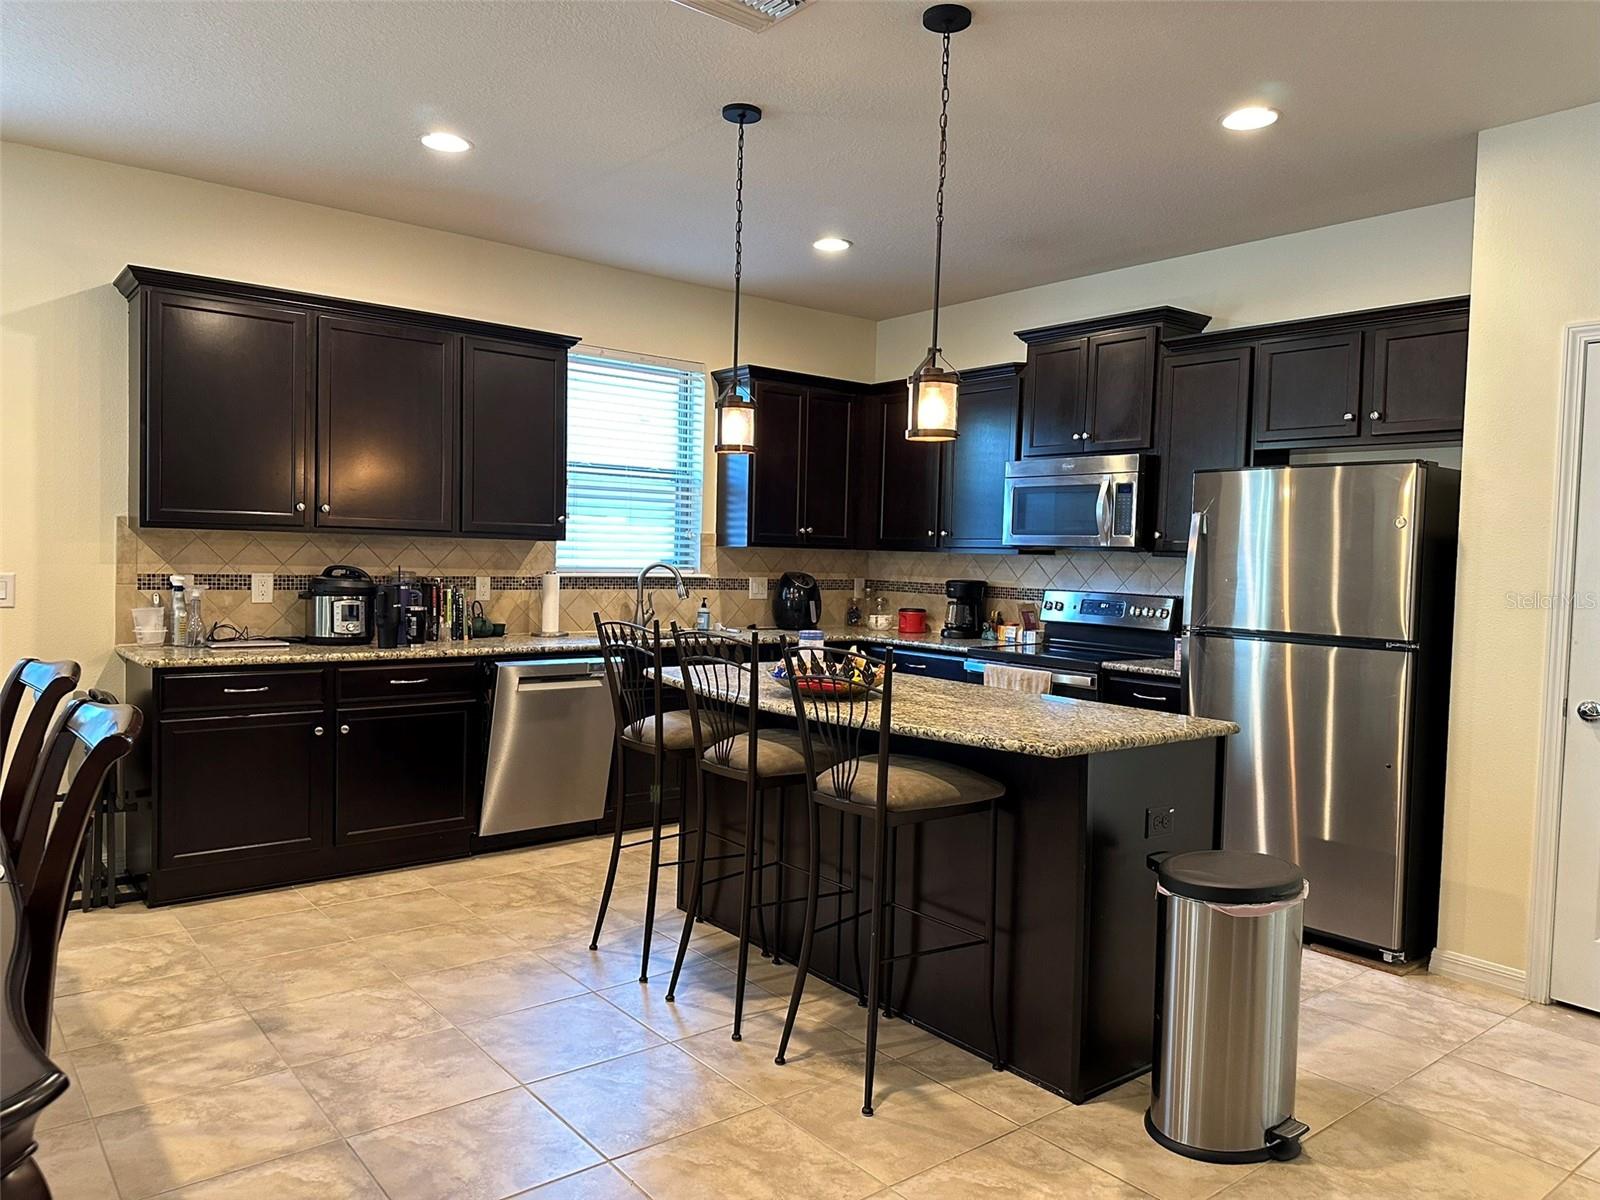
150 626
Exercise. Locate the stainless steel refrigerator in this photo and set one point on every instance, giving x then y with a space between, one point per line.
1318 604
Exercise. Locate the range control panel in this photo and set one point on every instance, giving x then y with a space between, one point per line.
1123 610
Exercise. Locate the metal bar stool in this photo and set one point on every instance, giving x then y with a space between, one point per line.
888 791
633 662
721 678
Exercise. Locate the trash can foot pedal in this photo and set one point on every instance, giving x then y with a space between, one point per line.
1283 1139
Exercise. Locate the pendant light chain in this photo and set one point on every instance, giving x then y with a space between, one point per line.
738 243
944 151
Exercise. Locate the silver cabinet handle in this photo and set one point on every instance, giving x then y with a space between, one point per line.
1589 710
327 508
1375 415
318 731
404 682
244 691
344 729
301 507
1349 416
1157 699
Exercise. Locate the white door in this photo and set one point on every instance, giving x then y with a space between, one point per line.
1575 965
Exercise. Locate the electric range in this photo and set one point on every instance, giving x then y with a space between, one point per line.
1084 629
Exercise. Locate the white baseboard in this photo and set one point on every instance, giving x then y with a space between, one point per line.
1479 970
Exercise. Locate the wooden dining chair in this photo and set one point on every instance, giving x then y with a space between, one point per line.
48 683
51 837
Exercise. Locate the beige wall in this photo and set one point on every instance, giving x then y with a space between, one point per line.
69 224
1421 254
1535 270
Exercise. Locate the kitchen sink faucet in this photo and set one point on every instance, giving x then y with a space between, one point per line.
644 609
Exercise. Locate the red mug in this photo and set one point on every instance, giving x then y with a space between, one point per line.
913 620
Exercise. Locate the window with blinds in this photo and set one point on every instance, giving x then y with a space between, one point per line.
634 463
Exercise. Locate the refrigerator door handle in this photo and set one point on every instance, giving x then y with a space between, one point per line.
1192 574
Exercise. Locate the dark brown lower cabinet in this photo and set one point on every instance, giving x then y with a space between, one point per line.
405 770
243 787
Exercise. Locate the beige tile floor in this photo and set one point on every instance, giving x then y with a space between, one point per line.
444 1033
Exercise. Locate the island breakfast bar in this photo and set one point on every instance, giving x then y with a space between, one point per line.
1091 791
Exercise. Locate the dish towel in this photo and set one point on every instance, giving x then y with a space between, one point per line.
1016 679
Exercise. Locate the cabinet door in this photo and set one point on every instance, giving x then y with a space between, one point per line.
828 468
404 770
226 412
239 787
513 439
972 500
1055 398
775 483
908 480
1122 392
1417 378
386 425
1308 388
1205 425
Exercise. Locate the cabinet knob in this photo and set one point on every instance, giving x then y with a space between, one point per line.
1349 416
944 533
301 507
1157 535
344 729
327 508
1086 436
318 731
562 519
930 533
1077 437
1375 415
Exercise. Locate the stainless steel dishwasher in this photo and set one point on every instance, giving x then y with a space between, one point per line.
550 745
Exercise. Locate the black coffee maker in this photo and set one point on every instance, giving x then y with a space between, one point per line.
397 610
797 603
963 610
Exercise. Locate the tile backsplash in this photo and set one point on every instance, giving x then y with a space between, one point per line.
224 560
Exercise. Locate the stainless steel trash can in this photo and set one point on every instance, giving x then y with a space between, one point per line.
1227 1006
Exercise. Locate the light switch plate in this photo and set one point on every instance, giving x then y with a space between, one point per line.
8 591
758 587
261 587
483 589
861 588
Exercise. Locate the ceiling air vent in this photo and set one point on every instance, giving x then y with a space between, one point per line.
754 15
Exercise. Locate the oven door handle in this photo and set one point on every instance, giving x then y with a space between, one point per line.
1102 511
1069 680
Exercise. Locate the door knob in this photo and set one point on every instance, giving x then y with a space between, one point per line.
930 533
327 508
562 519
1349 416
317 731
344 729
1375 415
1086 436
1589 710
301 507
944 533
1077 437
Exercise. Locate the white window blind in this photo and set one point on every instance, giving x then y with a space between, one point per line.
634 463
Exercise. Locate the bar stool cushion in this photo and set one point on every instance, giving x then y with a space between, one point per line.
677 730
915 783
778 752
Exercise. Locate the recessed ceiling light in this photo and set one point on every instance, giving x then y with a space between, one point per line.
446 143
1251 117
831 245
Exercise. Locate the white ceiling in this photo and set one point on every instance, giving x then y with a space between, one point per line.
1084 136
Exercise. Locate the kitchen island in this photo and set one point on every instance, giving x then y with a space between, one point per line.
1092 791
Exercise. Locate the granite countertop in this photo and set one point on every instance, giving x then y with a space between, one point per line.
585 642
1161 668
960 714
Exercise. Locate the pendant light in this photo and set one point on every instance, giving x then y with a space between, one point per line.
736 413
931 413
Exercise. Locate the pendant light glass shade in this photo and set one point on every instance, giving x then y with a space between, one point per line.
931 413
736 414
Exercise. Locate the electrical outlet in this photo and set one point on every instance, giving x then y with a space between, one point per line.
1158 821
8 595
261 587
861 588
483 589
758 587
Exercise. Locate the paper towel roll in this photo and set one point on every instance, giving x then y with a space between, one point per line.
550 604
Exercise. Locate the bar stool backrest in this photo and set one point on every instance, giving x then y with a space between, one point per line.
51 839
632 656
835 725
48 683
721 677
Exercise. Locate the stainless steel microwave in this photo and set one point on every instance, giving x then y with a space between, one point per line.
1089 500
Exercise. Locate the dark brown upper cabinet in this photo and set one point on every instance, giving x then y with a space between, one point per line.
1309 387
973 482
388 405
513 439
221 392
1091 385
906 476
1416 378
1205 426
258 408
801 486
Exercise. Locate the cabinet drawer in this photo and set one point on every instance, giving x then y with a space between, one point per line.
241 689
410 681
1139 691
